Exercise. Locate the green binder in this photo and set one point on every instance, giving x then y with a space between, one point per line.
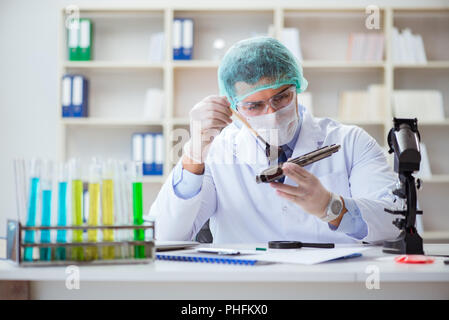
79 41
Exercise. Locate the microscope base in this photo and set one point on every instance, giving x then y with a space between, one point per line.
408 242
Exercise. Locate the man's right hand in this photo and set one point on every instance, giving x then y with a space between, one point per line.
207 118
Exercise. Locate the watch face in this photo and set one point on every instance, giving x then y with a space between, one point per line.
336 207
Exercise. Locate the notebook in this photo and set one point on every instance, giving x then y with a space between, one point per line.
207 259
174 245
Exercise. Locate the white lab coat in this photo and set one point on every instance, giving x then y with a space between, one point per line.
240 210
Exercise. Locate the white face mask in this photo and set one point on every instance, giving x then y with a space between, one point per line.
277 128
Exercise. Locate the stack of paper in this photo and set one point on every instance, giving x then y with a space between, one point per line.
154 104
407 47
426 105
157 47
290 39
368 105
365 47
309 256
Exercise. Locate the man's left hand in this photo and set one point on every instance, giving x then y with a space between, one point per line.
309 194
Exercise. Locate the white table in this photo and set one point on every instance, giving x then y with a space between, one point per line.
183 280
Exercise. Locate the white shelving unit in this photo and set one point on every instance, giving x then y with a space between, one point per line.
120 73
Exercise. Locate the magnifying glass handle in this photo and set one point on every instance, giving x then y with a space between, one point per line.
318 245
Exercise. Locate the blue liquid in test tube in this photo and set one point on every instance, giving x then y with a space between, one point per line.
31 219
61 235
45 253
47 175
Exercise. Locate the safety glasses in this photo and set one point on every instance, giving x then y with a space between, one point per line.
278 101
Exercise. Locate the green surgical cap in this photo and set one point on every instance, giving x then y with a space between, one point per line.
256 64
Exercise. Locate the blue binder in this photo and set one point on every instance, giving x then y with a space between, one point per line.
79 96
177 39
158 153
66 95
137 148
187 39
182 39
74 96
148 154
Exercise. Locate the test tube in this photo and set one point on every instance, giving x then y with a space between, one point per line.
94 208
139 234
35 171
77 207
121 210
61 235
21 187
47 179
107 208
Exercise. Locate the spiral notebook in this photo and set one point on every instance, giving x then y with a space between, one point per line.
207 259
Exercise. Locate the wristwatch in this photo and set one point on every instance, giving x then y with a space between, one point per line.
334 208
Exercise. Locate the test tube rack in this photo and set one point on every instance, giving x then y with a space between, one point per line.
16 245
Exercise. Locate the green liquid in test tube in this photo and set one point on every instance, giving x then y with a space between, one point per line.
139 234
77 209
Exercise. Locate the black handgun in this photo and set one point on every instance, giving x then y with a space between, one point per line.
275 172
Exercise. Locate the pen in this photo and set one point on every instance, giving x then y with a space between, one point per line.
218 251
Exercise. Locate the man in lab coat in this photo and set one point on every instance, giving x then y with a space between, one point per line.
339 199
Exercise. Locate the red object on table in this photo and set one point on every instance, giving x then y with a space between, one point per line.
414 259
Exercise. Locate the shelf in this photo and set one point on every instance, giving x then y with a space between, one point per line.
362 122
181 121
153 179
109 122
185 64
435 235
341 64
444 122
186 121
428 65
177 64
113 65
436 178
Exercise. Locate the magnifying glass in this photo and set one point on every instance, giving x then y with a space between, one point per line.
298 245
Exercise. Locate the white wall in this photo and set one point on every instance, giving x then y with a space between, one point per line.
28 82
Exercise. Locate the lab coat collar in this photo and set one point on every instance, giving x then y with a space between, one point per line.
311 136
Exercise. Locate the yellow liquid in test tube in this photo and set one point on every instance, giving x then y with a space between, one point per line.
77 216
108 216
94 215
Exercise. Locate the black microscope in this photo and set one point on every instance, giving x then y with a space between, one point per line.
403 140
